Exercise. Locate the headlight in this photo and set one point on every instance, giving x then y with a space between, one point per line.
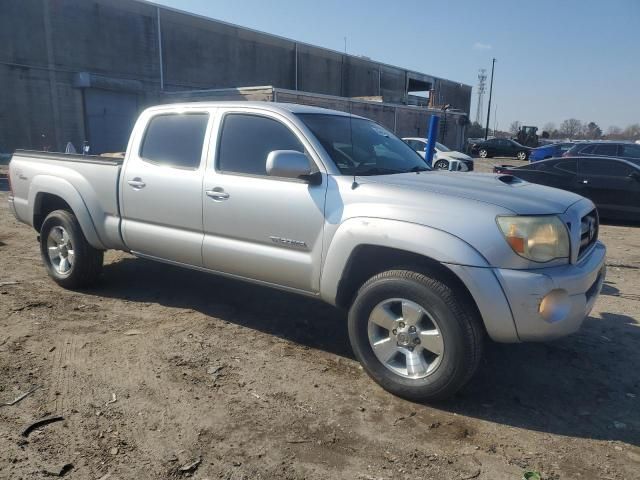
541 238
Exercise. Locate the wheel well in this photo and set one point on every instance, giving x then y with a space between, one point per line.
369 260
45 204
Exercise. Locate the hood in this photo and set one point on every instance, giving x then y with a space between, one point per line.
505 191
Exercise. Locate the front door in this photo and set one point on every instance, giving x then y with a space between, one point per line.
257 226
161 188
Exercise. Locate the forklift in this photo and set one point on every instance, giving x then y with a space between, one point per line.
528 136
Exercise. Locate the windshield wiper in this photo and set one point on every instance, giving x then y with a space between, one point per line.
418 169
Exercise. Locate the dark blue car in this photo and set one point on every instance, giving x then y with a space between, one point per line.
549 151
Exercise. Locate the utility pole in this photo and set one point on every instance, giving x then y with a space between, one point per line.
486 130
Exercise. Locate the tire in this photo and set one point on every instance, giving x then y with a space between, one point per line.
482 153
70 261
521 155
441 165
435 377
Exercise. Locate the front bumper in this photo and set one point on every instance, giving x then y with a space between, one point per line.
509 300
525 290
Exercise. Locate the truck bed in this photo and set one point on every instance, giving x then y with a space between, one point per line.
68 157
88 181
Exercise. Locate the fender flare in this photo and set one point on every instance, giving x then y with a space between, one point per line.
419 239
65 190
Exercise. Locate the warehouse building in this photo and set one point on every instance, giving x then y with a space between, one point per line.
81 70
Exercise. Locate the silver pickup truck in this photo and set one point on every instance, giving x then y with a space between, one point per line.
332 206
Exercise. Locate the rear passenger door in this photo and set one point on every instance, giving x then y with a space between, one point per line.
609 184
161 187
257 226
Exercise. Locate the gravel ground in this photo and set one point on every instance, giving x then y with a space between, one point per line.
166 373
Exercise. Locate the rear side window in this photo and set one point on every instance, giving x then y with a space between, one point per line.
565 147
588 150
630 151
175 140
247 140
604 168
416 145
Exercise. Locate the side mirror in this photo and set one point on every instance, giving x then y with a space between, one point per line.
289 164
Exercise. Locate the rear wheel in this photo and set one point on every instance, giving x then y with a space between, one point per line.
441 165
521 156
483 153
70 260
415 335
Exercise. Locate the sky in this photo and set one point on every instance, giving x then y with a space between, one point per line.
555 59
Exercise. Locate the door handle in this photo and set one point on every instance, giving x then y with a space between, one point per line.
217 194
137 183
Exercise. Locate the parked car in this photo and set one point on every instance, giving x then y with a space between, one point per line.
613 184
444 158
605 149
500 147
549 151
335 207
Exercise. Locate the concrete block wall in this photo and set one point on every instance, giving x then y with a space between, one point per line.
44 44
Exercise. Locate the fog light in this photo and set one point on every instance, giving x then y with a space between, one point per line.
555 306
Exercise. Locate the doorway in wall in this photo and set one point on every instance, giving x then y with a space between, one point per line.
109 119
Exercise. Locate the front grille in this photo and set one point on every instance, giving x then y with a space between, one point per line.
588 231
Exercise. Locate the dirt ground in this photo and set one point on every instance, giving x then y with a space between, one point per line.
157 369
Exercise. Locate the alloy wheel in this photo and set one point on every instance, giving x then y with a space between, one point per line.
60 250
405 338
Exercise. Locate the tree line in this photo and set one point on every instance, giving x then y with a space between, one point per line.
573 128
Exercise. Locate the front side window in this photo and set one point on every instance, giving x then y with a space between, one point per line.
588 150
246 141
361 147
175 140
606 150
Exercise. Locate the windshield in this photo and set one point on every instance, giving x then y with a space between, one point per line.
362 147
442 148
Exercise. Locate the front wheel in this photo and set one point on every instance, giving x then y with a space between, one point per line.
441 165
415 335
70 260
483 153
521 156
